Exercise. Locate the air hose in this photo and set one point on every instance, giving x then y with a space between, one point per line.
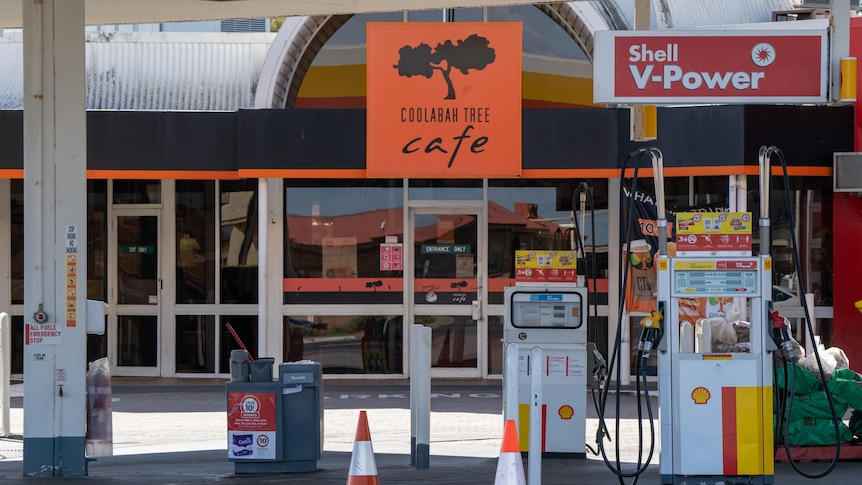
784 403
642 394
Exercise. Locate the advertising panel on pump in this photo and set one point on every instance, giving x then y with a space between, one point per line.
723 66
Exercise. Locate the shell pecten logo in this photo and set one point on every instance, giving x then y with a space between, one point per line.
700 395
566 412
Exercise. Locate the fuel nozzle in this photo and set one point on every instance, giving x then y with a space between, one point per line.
651 325
781 334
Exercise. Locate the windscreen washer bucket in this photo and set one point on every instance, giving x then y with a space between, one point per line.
261 369
239 369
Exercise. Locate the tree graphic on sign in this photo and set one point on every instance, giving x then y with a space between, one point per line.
470 53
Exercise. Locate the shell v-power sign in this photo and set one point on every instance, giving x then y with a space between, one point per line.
720 66
443 100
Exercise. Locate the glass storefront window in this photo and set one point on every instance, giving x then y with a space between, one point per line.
337 236
195 241
245 327
354 344
97 239
16 237
238 252
537 214
452 189
495 345
97 286
137 191
811 206
195 349
137 340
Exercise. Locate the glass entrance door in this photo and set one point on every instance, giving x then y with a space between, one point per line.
446 284
135 292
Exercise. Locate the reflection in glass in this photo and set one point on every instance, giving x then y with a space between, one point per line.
239 241
137 340
137 260
449 189
137 191
445 246
97 241
195 241
17 324
453 340
245 327
195 350
356 344
16 240
495 345
335 228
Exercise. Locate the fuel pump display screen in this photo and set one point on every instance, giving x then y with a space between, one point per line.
715 277
547 310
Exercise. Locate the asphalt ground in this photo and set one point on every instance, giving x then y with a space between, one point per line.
175 432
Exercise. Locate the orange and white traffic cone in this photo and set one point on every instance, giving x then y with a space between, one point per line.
363 469
510 467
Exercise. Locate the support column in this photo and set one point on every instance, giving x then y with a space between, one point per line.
271 329
55 231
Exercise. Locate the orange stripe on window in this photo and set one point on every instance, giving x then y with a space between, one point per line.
728 430
302 174
12 173
163 174
322 285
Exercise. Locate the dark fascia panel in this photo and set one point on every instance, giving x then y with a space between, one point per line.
162 141
302 139
11 140
692 136
806 135
571 138
697 136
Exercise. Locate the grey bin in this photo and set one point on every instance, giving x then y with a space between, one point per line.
302 411
261 369
239 371
298 416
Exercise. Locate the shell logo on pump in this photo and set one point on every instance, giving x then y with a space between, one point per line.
700 395
566 412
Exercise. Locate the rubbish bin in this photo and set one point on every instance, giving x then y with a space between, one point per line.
302 412
277 426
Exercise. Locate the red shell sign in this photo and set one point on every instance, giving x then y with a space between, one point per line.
711 66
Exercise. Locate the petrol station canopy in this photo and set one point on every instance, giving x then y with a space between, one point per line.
109 12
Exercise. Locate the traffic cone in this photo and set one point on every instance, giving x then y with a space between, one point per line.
363 469
510 468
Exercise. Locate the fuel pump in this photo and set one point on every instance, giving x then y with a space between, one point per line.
550 317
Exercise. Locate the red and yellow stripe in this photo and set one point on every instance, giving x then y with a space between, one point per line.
746 437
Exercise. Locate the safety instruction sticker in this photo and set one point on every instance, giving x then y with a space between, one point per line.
71 276
42 334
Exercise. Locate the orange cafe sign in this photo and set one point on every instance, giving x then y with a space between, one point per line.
444 100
